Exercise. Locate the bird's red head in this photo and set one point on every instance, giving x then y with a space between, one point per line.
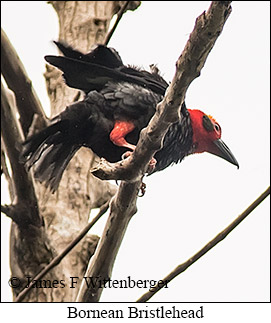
207 136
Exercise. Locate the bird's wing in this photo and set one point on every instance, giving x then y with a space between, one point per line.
128 101
92 71
100 55
82 75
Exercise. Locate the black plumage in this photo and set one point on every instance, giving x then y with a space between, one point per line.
114 92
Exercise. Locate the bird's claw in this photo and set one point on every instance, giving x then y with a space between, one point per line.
127 154
142 190
150 169
151 165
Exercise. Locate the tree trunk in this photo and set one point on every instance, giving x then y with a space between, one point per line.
81 24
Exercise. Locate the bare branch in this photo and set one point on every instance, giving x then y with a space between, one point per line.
222 235
58 258
123 207
5 171
16 78
207 29
25 208
119 15
82 23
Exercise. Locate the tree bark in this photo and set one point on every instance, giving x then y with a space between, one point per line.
208 27
66 212
81 24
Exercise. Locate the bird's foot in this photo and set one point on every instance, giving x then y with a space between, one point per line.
151 165
127 154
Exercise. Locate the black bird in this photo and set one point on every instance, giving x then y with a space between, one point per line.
119 102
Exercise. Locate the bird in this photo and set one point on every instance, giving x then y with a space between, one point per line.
119 101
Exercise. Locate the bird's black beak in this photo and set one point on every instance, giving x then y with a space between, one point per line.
223 151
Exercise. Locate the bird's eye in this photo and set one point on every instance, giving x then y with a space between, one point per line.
217 127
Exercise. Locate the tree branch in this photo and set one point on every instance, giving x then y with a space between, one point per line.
24 210
5 171
58 258
207 29
128 5
222 235
119 15
16 78
123 207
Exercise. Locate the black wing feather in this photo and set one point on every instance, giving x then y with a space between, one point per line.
92 71
113 92
101 55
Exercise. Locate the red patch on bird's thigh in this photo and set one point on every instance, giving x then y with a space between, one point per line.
120 130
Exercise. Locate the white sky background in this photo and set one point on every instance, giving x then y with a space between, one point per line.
188 204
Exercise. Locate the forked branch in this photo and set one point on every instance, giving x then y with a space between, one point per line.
208 27
24 210
17 80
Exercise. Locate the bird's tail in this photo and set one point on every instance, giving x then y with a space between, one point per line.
49 154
